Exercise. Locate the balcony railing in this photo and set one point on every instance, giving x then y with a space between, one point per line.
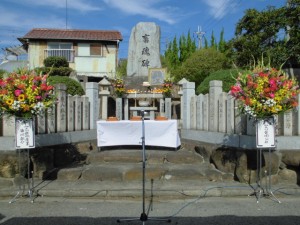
67 53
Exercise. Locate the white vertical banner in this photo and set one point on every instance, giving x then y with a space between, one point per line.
25 133
265 133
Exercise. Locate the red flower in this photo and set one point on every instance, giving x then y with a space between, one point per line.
18 92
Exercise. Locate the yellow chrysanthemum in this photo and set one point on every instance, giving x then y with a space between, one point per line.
21 97
9 101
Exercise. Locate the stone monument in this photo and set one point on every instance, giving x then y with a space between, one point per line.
144 51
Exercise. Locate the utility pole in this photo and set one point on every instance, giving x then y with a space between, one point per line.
66 14
200 35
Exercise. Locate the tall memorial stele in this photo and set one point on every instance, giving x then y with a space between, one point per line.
144 49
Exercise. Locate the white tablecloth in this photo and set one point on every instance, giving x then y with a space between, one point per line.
125 132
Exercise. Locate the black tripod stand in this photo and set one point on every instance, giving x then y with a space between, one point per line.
144 217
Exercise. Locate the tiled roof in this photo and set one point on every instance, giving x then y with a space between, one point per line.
54 34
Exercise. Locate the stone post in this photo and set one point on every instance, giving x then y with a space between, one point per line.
126 109
222 112
9 126
188 91
92 90
288 123
162 107
61 122
51 128
230 115
85 112
205 112
78 113
180 93
199 112
71 112
168 108
119 107
215 89
41 124
193 113
104 93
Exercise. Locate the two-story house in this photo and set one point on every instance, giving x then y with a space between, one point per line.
91 53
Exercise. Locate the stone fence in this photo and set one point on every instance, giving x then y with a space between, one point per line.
214 118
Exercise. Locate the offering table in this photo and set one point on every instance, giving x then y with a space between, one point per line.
125 132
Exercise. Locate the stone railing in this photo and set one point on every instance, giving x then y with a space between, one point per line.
214 118
72 113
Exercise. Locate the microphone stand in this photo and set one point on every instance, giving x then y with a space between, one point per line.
144 217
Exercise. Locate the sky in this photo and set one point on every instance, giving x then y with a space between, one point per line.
175 17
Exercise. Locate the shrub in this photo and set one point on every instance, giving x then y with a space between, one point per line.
56 61
227 76
53 71
73 86
200 64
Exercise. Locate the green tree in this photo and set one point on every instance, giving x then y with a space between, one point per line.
272 32
200 64
191 45
292 18
175 54
213 43
222 42
183 51
227 76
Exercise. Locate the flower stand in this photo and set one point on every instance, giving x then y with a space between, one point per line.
265 139
24 140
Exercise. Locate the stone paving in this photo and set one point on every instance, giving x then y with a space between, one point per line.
117 173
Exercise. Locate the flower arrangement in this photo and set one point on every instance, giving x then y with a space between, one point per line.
167 88
265 92
119 87
25 95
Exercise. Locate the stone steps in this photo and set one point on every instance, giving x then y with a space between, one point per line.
126 165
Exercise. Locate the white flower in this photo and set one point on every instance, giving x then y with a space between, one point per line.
16 105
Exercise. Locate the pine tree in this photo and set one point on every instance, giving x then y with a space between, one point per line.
174 56
213 43
222 42
183 50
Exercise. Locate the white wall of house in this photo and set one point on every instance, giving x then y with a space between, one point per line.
35 55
